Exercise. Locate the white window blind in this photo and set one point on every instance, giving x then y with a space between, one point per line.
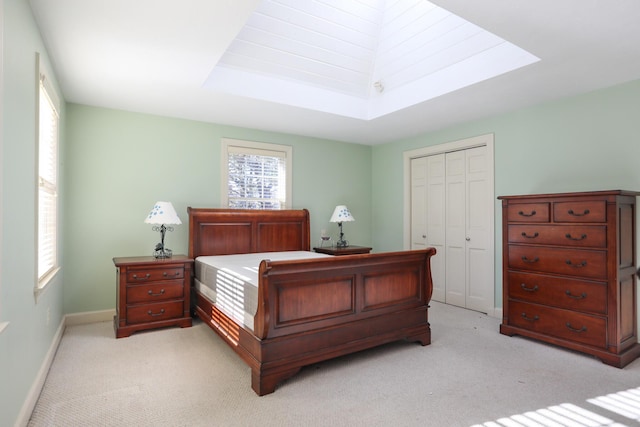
257 175
48 124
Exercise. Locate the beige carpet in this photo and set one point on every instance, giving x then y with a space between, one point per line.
470 374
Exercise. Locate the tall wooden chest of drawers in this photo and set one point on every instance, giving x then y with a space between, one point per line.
569 275
152 293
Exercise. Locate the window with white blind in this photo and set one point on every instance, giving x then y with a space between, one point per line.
256 175
47 137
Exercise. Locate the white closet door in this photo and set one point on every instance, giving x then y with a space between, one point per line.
450 211
456 213
418 203
435 221
479 254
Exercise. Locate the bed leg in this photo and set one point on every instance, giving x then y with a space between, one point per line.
265 384
424 338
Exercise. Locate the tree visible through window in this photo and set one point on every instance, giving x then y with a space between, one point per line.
256 175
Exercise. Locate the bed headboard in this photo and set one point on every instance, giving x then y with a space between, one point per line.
237 231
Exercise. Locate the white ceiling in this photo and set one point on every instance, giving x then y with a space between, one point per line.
172 59
359 58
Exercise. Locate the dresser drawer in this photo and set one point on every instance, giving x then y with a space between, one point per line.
580 211
528 212
569 325
154 312
593 236
158 291
572 262
572 294
142 275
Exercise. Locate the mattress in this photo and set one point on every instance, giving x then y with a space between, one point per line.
231 281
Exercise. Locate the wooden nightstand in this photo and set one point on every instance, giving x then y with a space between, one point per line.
349 250
152 293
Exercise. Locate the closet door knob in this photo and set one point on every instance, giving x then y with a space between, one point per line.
468 239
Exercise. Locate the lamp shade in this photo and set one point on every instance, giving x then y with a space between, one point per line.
163 213
341 214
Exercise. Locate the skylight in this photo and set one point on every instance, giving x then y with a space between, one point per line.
359 58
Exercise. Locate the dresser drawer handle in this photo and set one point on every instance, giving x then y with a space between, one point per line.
527 214
524 234
570 295
580 265
578 331
525 288
146 276
577 239
162 293
530 319
571 212
150 313
530 261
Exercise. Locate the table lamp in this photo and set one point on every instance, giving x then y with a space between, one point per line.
341 214
162 214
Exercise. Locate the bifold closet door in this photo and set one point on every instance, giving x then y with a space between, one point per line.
450 211
427 215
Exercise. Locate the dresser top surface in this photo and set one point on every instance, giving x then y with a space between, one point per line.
570 195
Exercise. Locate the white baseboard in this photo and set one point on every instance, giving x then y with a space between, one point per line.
32 397
497 312
89 317
36 388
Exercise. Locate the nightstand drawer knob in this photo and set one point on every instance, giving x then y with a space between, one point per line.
150 313
156 295
146 276
165 274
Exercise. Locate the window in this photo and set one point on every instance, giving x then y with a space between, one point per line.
256 175
47 137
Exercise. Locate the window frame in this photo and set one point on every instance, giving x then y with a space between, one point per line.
249 147
44 87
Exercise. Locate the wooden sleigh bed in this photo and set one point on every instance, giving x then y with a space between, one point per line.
309 310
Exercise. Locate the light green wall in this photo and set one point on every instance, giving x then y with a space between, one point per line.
115 165
583 143
120 163
32 325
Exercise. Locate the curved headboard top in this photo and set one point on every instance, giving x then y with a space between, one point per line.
219 231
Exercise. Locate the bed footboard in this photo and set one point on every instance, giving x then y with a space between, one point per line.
314 310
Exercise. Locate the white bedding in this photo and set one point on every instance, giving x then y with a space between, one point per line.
231 281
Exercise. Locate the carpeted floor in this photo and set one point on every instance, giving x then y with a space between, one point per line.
469 375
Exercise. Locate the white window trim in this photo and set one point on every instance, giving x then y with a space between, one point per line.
43 75
253 145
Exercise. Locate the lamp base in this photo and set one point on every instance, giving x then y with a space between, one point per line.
162 253
342 244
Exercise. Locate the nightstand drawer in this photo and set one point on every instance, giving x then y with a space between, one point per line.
141 275
154 312
159 291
